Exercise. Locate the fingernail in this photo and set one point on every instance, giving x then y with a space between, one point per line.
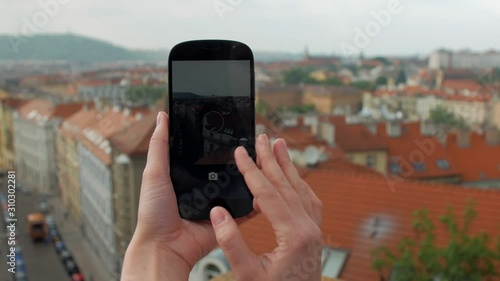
158 119
284 142
264 138
245 152
218 217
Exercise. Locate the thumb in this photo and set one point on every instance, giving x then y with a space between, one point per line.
231 241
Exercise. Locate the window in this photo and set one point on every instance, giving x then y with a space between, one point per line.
333 261
394 168
418 166
443 164
371 161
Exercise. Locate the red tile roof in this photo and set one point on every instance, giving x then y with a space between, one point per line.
459 85
37 109
95 136
478 162
73 125
354 137
477 98
134 140
13 103
353 203
412 146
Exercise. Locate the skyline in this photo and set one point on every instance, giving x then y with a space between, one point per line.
277 27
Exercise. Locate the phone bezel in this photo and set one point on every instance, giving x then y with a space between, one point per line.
209 50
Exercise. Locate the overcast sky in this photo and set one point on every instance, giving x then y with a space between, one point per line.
272 25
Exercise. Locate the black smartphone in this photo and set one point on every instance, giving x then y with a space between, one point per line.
211 113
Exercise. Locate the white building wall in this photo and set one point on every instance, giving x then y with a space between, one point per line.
471 112
425 105
97 208
35 153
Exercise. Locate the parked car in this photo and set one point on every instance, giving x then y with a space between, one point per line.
65 255
54 236
77 277
59 245
20 276
71 267
20 266
26 190
51 222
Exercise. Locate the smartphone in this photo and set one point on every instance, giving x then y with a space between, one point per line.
211 113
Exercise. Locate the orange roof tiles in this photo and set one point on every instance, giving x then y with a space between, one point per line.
42 109
361 212
412 147
13 103
478 162
459 85
354 137
73 125
95 136
134 140
478 98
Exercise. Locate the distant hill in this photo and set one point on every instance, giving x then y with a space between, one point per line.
70 47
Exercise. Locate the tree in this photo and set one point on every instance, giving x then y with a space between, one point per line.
363 85
401 79
381 81
297 76
465 257
144 94
440 115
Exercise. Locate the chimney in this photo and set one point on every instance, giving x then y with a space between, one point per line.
463 138
290 121
393 129
126 112
492 136
427 128
372 127
327 132
138 116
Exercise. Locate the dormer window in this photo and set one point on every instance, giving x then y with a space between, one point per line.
418 166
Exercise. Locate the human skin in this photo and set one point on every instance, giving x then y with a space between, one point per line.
166 247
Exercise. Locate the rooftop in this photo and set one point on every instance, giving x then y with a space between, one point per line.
363 211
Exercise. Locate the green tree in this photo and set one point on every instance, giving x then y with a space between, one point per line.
144 94
335 81
363 85
297 75
381 81
401 79
465 257
440 115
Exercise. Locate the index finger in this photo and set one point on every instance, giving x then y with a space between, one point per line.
270 201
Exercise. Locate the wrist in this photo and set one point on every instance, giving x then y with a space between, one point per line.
146 259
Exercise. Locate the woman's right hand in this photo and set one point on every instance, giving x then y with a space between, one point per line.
291 207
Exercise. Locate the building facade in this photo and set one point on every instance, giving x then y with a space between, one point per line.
7 144
35 127
333 100
68 162
129 154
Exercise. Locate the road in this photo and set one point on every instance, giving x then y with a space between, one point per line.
41 261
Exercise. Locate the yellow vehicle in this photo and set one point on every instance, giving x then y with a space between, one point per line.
37 226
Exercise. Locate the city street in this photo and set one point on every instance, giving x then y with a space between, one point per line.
41 260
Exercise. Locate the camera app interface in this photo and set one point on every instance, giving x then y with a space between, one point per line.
212 106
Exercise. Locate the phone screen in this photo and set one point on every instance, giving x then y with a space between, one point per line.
212 113
212 107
